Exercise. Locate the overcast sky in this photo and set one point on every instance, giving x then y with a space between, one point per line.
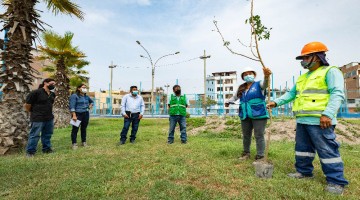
111 28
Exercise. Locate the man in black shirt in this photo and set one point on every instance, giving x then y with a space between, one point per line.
40 103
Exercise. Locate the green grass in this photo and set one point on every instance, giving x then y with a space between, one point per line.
205 168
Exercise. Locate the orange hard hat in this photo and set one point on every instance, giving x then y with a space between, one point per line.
312 47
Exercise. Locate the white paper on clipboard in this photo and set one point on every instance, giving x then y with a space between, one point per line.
75 123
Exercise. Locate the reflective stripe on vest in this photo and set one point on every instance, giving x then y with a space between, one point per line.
314 91
312 94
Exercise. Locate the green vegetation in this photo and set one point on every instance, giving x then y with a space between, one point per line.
205 168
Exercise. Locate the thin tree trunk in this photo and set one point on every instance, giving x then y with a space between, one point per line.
16 74
61 105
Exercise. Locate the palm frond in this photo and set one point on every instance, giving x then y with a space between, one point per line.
65 6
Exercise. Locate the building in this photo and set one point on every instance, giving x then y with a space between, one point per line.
221 86
351 73
103 106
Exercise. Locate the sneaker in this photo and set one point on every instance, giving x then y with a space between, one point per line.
183 141
30 155
335 189
121 143
299 175
48 151
84 144
244 156
74 146
132 141
170 142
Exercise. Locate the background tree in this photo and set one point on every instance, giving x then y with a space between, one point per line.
22 25
69 64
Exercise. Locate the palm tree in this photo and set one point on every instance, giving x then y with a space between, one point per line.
22 25
69 63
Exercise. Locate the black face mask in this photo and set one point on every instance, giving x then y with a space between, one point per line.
178 92
51 87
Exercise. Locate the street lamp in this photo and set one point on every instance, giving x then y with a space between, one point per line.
204 57
153 65
112 66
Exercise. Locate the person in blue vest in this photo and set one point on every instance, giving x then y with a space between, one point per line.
317 96
252 110
80 104
177 104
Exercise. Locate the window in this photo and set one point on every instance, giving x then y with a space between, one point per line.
351 100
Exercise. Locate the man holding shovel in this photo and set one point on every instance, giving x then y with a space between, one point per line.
317 97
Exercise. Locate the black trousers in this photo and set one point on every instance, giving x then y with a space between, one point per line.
84 118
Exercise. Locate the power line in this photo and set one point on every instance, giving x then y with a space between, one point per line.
178 62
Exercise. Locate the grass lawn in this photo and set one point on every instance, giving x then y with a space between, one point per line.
205 168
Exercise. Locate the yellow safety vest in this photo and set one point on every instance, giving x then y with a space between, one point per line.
312 95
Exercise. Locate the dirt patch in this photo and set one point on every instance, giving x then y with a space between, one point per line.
284 129
215 124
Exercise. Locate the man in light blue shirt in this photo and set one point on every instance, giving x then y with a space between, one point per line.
132 109
318 95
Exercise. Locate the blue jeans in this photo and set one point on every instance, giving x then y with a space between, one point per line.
46 128
134 121
311 138
84 118
174 119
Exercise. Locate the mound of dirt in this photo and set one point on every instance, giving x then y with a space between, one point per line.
285 129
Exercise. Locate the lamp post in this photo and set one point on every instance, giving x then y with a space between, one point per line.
153 65
112 66
204 57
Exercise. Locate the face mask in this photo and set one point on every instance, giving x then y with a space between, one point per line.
51 87
307 65
178 92
83 90
249 78
135 92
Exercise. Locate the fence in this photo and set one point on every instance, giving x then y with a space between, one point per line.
349 108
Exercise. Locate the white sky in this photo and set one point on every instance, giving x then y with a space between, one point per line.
111 28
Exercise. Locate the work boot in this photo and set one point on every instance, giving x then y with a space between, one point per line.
298 175
121 143
170 142
74 146
132 141
244 156
335 189
183 141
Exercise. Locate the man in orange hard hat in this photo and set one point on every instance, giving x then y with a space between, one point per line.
317 97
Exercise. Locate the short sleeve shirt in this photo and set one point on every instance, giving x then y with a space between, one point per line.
41 105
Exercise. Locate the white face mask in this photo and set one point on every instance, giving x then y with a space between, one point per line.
53 90
84 90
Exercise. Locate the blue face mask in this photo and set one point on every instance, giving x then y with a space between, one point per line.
135 92
249 78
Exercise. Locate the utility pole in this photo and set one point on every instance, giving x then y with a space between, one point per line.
204 57
112 66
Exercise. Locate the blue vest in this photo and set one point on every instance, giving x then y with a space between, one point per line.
252 103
